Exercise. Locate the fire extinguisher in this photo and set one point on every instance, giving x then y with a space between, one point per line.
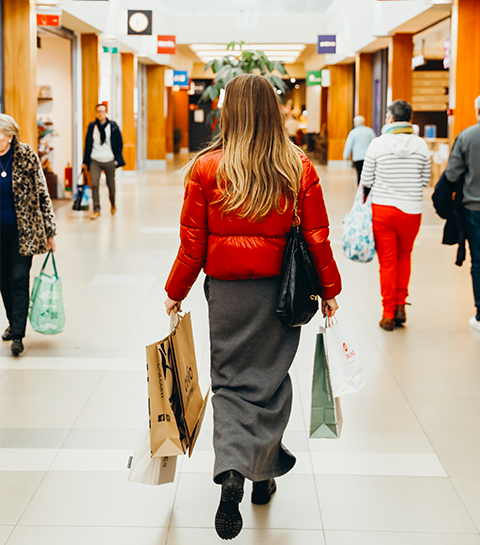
68 177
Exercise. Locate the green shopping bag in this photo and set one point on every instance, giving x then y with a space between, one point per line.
46 306
326 416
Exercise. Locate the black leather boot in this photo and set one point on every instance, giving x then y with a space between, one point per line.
7 336
263 491
228 521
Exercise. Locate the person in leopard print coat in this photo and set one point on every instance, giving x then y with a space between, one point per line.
27 225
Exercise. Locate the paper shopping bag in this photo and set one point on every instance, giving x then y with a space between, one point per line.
193 404
167 435
147 470
326 416
343 358
176 405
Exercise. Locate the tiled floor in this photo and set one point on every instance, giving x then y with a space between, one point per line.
405 472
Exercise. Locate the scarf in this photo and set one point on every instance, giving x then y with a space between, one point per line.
398 127
102 128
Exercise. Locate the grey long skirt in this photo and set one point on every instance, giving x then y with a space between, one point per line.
251 354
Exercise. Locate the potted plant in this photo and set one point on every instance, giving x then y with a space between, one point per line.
241 60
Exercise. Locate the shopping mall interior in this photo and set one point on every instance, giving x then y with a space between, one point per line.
405 469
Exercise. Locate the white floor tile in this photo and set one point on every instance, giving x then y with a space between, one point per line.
39 412
98 499
26 459
123 280
373 442
67 364
17 488
78 535
400 538
203 536
113 413
84 459
392 504
5 532
365 463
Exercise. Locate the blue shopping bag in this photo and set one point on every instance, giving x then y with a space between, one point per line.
46 311
357 237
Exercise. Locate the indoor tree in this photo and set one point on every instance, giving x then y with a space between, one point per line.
241 60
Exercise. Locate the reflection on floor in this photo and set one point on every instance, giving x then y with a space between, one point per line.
405 472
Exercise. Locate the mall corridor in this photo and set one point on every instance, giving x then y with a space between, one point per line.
406 470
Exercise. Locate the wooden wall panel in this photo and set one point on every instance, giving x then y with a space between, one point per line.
467 81
340 109
129 126
170 119
182 116
156 125
90 78
400 55
363 87
20 60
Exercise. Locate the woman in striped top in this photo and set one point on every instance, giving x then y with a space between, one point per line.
397 166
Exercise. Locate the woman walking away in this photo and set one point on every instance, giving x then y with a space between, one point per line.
238 210
27 225
397 166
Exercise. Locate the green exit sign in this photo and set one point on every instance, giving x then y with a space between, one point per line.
110 49
314 77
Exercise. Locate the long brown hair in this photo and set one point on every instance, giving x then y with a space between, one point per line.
259 162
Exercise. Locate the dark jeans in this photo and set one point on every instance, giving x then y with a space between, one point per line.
473 234
14 280
96 169
359 166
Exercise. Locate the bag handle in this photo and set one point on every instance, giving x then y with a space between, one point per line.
50 253
296 218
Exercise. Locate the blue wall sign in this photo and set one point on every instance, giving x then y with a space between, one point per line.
327 44
180 78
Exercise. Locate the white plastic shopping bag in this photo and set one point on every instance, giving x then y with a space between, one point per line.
344 362
357 237
147 470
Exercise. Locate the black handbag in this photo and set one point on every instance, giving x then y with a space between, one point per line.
297 301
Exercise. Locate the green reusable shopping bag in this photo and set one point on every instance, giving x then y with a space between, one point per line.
46 305
326 416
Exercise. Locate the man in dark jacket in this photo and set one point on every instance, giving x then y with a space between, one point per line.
103 153
465 161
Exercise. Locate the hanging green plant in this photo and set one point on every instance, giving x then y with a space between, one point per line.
241 60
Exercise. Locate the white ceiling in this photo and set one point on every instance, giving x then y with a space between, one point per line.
260 6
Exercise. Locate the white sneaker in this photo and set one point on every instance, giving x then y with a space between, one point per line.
474 323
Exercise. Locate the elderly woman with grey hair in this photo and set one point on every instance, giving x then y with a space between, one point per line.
27 225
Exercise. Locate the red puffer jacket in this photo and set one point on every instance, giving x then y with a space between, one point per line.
231 248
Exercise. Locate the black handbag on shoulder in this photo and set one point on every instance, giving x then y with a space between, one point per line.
299 286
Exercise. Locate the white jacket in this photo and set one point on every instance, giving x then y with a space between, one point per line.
397 167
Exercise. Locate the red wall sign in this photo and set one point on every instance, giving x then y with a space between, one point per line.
48 20
166 45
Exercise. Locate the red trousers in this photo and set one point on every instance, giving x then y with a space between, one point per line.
395 233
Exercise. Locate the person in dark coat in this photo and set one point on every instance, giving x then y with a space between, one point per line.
465 162
103 153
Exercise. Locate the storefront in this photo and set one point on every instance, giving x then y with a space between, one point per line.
56 99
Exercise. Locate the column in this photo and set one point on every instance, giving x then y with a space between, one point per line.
465 62
170 119
340 109
129 125
363 87
20 60
90 79
400 54
156 140
182 117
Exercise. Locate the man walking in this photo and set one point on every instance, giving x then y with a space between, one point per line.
465 161
103 153
357 143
